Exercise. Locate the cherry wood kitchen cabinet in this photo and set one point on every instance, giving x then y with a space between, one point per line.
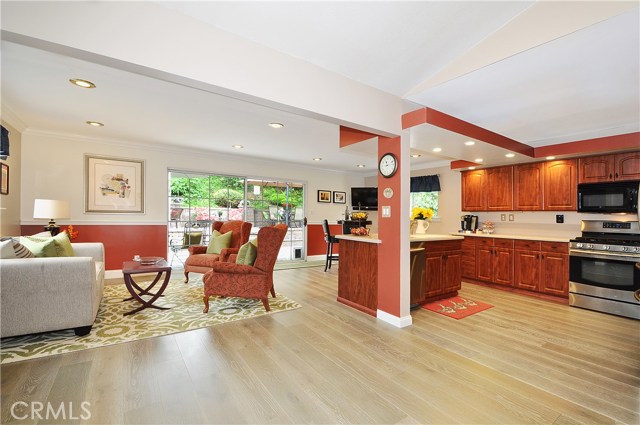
527 186
500 189
443 276
527 265
542 267
555 268
468 259
494 260
474 190
606 168
560 185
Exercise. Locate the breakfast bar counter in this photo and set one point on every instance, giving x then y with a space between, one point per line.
435 269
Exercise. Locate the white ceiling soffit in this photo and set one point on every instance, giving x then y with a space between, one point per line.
390 45
35 86
581 86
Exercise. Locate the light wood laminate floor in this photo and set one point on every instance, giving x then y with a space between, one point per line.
524 361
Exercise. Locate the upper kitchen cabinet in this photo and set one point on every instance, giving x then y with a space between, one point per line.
560 185
500 189
528 180
614 167
474 190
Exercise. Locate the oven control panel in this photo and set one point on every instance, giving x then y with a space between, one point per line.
616 225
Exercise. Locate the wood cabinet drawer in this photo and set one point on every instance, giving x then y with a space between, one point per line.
484 242
559 247
528 245
503 243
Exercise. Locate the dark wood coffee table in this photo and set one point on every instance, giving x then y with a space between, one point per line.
130 268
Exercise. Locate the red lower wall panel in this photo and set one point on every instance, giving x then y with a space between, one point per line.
315 239
121 242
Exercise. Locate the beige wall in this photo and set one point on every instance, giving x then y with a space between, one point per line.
10 204
63 177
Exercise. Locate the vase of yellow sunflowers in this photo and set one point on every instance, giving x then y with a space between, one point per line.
420 218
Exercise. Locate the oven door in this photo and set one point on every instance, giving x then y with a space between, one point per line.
609 283
605 270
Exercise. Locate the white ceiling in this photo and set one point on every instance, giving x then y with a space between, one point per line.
539 73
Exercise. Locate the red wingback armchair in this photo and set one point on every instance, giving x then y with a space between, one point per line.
199 261
239 280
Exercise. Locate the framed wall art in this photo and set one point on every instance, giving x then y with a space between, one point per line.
4 180
324 196
339 197
113 185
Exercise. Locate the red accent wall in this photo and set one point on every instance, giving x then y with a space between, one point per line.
388 231
350 136
601 144
121 242
315 239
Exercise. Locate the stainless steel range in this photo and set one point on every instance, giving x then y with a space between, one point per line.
604 267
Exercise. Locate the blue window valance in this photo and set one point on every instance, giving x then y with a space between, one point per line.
425 184
4 143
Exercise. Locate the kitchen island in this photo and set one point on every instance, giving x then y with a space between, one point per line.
435 269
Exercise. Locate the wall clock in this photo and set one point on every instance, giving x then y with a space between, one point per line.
388 165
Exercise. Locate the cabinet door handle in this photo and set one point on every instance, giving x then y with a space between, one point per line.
610 175
542 257
616 175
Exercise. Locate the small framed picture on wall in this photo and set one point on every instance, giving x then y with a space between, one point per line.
4 180
324 196
339 197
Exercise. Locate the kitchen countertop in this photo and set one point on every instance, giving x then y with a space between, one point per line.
435 237
373 238
514 236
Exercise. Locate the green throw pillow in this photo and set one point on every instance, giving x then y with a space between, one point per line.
218 242
248 253
62 243
45 248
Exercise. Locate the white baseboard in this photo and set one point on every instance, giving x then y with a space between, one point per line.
113 274
318 257
398 322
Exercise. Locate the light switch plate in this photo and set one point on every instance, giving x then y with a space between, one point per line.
511 217
503 217
386 211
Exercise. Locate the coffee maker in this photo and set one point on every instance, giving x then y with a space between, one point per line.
469 223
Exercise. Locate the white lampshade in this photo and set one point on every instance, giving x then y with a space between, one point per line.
50 209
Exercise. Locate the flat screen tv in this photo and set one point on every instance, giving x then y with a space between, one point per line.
364 198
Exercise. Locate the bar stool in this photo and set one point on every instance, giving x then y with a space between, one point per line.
330 240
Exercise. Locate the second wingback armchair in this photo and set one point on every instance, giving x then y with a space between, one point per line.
201 262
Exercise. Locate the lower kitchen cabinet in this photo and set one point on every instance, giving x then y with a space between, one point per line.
468 260
494 260
442 270
542 267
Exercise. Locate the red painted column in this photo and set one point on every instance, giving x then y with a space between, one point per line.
388 231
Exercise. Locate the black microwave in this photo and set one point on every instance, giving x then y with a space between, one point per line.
612 197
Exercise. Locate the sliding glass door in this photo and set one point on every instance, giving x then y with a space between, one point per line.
196 200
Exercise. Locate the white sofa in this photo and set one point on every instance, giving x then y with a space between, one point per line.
47 294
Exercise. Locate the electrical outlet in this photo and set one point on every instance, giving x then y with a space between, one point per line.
511 217
386 211
503 217
559 218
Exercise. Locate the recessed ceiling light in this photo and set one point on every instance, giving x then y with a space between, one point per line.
470 143
510 155
437 149
317 159
472 168
478 160
85 84
237 146
276 125
415 155
95 123
360 165
551 157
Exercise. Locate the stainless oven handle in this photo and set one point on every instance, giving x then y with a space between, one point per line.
612 256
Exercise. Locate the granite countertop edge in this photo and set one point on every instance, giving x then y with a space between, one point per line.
516 236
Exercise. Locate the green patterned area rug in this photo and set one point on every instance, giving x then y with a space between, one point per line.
111 327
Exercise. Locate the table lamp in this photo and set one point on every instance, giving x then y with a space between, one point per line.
51 209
